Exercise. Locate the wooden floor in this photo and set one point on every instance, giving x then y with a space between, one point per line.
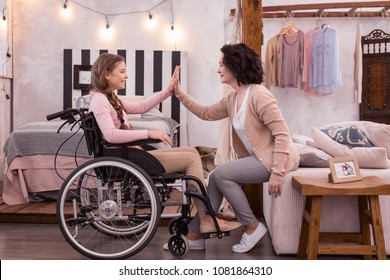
27 228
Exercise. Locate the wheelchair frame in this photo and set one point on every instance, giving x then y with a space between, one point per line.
110 206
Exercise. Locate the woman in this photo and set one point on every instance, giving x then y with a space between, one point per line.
108 75
261 140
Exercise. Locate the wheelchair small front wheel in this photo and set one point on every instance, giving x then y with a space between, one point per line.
177 225
178 245
108 208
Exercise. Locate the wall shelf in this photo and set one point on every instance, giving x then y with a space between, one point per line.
338 9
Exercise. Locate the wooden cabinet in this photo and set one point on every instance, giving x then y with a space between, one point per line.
375 104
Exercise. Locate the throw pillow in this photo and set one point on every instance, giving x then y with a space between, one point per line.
367 157
350 136
83 101
375 157
377 133
312 157
154 113
328 145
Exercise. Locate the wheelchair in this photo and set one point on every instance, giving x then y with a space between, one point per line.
110 206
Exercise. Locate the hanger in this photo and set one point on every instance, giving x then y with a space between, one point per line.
291 27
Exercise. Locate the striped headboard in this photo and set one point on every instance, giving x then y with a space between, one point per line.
148 71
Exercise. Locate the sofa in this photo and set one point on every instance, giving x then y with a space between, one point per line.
368 142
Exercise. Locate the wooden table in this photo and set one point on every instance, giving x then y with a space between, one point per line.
367 190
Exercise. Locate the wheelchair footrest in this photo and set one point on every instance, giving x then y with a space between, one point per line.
215 234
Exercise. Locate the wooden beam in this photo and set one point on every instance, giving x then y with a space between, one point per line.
252 26
301 10
326 14
337 5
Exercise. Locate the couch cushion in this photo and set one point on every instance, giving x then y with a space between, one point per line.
312 157
367 157
301 139
350 136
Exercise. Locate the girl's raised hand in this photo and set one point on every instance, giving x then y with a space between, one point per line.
174 79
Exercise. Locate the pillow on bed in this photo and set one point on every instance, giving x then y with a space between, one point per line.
154 113
83 101
367 157
350 136
312 157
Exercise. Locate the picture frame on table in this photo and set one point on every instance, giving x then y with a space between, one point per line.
344 169
82 77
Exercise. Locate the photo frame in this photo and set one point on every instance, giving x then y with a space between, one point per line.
344 169
82 77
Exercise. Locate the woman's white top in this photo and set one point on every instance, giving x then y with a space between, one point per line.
239 120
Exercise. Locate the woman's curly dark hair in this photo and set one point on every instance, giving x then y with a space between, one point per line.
244 63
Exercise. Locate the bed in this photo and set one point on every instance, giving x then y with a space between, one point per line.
30 150
36 159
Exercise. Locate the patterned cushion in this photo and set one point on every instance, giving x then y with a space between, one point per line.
350 136
83 101
367 157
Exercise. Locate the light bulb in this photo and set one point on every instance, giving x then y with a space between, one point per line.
3 25
66 12
106 33
151 23
174 34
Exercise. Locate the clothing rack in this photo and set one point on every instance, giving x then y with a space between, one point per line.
338 9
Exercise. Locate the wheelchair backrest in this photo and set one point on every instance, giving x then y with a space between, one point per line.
93 135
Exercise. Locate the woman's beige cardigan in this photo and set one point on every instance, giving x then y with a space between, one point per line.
264 125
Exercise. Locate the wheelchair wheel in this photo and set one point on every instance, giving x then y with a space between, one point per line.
176 224
178 245
108 208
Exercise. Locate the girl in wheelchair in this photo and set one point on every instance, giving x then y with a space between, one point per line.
108 75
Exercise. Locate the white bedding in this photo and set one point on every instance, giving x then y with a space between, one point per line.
339 213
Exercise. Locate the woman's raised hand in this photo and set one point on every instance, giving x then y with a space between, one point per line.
160 135
174 79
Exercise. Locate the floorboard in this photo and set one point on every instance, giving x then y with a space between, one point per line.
27 228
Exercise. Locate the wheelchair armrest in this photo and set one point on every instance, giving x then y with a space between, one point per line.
133 143
138 156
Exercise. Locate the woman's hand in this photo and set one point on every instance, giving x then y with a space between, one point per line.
174 79
160 135
178 91
274 187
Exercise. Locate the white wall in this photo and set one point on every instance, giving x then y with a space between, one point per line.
41 34
5 76
302 111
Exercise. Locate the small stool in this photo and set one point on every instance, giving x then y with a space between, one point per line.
367 190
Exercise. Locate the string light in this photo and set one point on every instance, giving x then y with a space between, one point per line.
151 23
107 23
65 11
107 31
4 14
3 23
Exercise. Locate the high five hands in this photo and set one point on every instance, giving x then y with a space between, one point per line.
158 134
174 79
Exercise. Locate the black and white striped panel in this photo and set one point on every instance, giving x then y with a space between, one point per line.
148 71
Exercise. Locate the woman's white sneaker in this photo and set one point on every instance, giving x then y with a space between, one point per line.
248 241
